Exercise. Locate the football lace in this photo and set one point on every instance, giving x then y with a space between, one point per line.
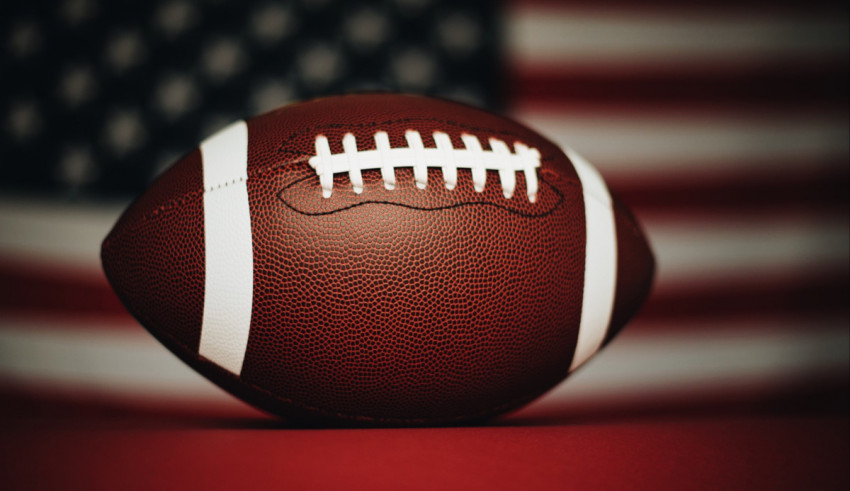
444 156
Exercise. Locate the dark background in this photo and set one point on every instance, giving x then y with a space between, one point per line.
99 96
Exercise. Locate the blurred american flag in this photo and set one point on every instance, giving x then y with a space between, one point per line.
725 127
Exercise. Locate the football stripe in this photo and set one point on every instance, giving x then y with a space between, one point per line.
600 266
229 280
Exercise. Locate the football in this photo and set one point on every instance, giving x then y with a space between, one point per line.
380 259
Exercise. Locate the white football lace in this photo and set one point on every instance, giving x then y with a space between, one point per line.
416 155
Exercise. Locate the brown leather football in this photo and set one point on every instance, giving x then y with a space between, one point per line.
380 259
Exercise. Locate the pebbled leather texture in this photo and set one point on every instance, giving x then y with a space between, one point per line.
404 306
154 256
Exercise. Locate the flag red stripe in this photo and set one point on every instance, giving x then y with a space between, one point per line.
776 294
809 84
43 290
827 391
790 293
787 188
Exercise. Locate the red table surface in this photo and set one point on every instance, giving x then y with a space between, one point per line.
704 445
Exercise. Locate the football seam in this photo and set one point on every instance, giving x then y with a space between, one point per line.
436 208
176 203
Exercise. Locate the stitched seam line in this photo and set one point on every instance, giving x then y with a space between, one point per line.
225 184
561 199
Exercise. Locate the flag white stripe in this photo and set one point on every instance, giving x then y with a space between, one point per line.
600 265
229 282
687 250
96 358
121 363
701 358
711 250
581 36
63 233
664 144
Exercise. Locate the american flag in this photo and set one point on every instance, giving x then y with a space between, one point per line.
724 126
